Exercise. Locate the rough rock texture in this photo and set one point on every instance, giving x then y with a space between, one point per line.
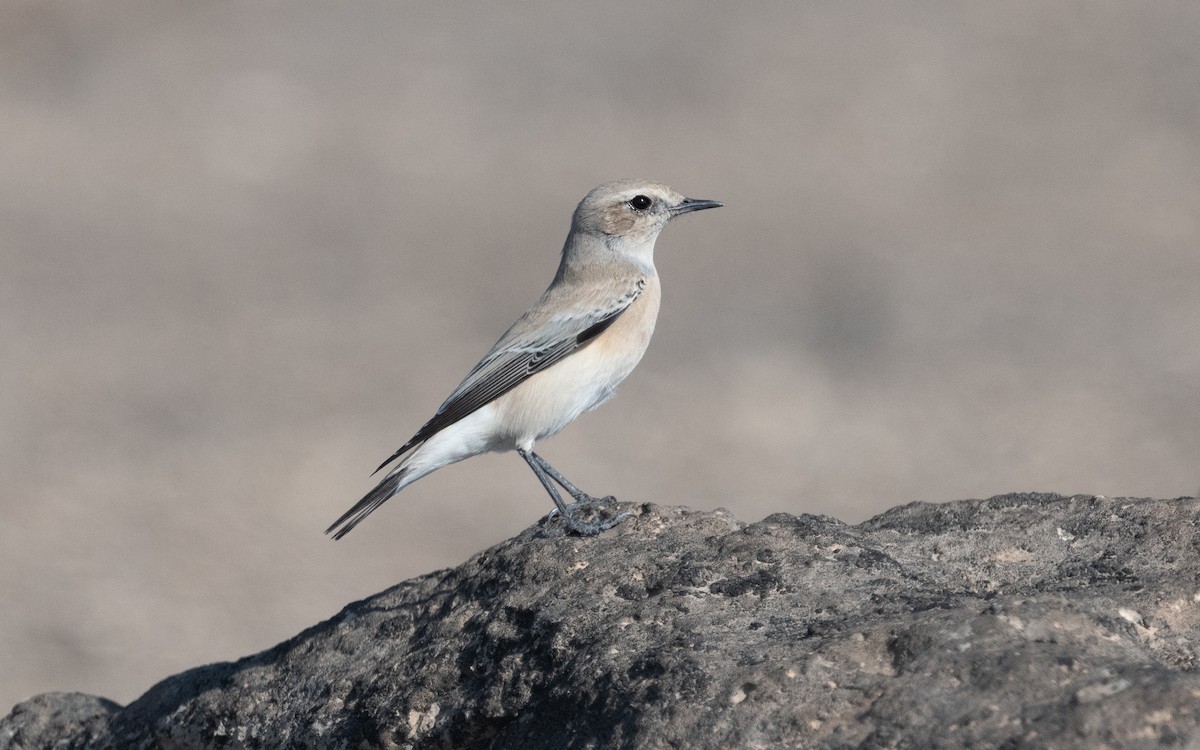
1019 621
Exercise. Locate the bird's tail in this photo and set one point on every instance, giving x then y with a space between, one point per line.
391 484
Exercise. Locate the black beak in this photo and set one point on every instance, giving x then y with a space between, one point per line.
694 204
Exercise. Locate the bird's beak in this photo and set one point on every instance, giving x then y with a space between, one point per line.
694 204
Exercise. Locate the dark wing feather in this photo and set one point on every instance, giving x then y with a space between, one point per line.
510 363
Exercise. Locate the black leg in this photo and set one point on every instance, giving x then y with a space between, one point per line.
579 495
545 480
545 474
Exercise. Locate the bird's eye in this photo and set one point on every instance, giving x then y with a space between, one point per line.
640 202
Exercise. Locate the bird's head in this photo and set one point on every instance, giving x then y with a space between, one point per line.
634 210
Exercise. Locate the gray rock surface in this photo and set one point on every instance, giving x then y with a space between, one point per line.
1025 620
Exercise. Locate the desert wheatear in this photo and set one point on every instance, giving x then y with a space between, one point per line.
564 357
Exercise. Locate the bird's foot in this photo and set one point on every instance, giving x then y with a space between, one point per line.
584 503
585 500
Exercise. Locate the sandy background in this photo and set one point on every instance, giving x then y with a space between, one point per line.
246 249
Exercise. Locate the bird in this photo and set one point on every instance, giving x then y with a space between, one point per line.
563 357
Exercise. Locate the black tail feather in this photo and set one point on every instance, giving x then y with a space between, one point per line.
363 508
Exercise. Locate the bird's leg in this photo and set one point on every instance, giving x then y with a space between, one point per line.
547 475
579 495
545 480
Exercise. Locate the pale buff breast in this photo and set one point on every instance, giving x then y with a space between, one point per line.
551 399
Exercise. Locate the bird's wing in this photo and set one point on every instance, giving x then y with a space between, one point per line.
534 343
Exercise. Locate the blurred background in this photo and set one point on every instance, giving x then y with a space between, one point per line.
246 249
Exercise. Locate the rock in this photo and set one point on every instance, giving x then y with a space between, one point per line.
64 721
1024 620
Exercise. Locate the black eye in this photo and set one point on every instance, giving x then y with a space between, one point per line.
640 202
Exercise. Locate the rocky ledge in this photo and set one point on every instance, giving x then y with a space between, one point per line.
1028 620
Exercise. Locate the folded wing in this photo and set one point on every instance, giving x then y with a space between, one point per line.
522 352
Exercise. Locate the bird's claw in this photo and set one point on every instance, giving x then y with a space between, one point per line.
586 500
588 528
